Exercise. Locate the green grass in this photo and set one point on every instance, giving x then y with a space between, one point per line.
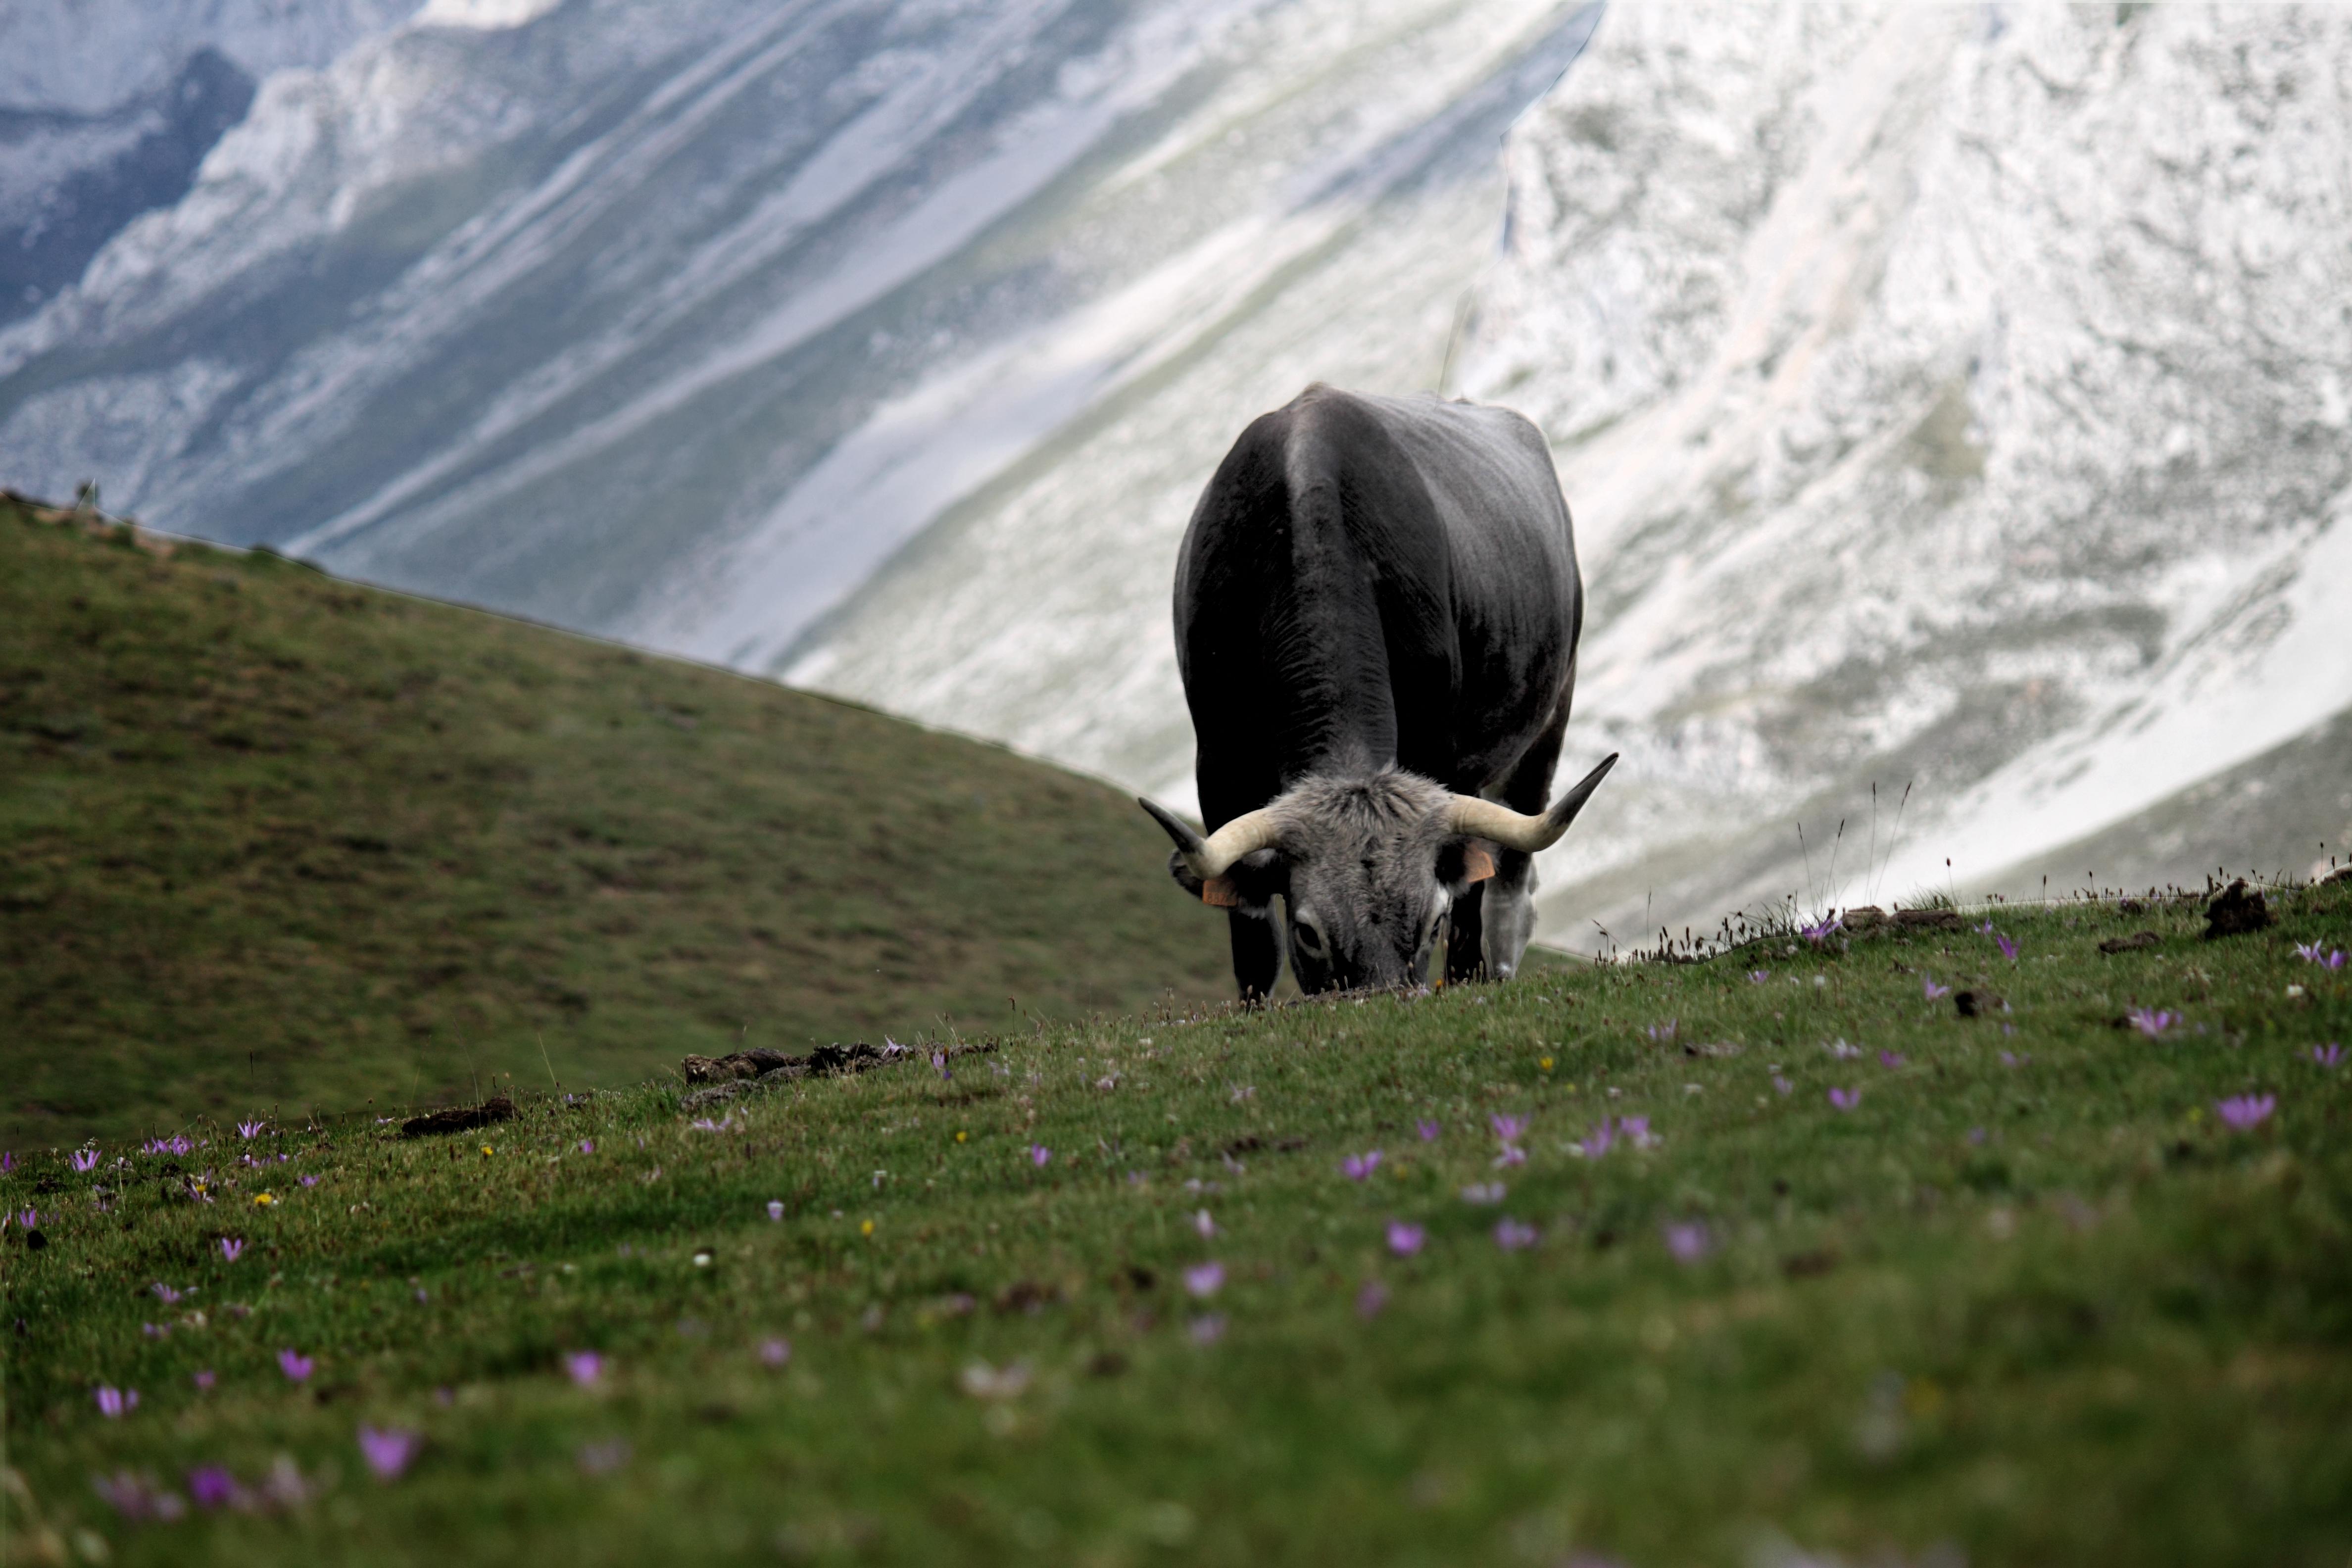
270 839
2031 1308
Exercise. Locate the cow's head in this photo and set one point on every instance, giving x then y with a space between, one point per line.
1366 867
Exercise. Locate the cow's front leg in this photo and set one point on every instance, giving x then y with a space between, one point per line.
1510 913
1463 924
1257 951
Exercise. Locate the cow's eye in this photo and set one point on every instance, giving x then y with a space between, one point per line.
1309 938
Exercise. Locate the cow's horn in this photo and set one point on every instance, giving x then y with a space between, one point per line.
1518 830
1214 856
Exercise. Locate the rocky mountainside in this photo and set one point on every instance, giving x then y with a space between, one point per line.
1952 397
677 321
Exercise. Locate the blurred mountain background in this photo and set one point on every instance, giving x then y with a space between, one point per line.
1953 399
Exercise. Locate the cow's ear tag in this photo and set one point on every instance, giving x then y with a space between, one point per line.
1219 891
1477 865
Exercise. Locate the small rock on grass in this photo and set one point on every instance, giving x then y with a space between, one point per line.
2134 942
2235 910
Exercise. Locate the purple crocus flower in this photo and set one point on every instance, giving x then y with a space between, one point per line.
164 1293
1205 1278
775 1208
1360 1166
1205 1223
308 1181
1842 1051
1819 932
1371 1299
2244 1112
203 1380
2008 948
775 1352
2330 1055
250 1129
1209 1329
85 1160
1759 976
156 1331
1635 1129
1404 1239
2011 1060
113 1403
297 1367
1890 1060
1482 1193
232 1248
1933 990
2151 1023
1428 1130
1039 1155
1985 928
135 1496
1784 1085
587 1145
1512 1154
1514 1235
1509 1128
30 1219
1688 1241
2335 960
389 1451
585 1367
7 1160
1597 1141
211 1485
939 1065
1845 1098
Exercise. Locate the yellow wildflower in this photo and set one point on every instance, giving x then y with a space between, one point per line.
264 1199
865 1227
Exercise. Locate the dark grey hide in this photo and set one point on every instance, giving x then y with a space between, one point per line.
1377 604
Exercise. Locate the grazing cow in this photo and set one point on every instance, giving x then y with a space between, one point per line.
1377 608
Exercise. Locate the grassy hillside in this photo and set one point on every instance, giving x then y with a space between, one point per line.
271 839
1868 1281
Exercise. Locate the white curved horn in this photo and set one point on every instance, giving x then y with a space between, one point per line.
1214 856
1517 830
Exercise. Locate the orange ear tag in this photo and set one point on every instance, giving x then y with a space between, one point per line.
1477 865
1219 891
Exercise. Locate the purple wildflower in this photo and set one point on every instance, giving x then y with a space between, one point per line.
1635 1129
308 1181
2151 1023
1209 1329
164 1293
1371 1299
1819 932
1509 1128
704 1124
585 1367
212 1486
297 1367
1933 990
2310 954
939 1065
1688 1241
1985 928
2008 948
85 1160
587 1145
7 1160
1512 1154
1842 1051
136 1496
1482 1193
30 1219
1845 1098
775 1352
1784 1085
2011 1060
2330 1055
1404 1239
1759 976
250 1129
1976 1134
2244 1112
1428 1130
231 1250
203 1380
1360 1166
1890 1060
1039 1155
1205 1278
775 1208
1514 1235
156 1331
1203 1224
113 1403
389 1451
1664 1032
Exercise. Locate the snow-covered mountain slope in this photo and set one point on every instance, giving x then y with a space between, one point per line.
88 56
1952 396
674 321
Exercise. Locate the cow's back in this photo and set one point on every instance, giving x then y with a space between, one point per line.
1371 579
